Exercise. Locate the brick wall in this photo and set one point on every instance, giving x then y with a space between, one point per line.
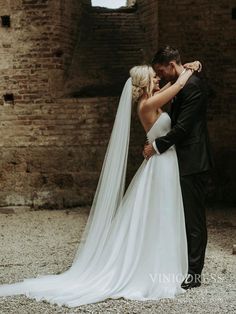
57 48
26 50
52 148
52 153
148 14
36 50
112 41
205 30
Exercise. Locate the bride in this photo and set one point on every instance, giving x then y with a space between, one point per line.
134 244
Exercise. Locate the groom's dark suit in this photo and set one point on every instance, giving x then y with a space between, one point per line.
190 136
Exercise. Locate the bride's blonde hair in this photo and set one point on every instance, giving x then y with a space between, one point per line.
141 81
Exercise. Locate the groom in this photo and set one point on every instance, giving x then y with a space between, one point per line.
190 136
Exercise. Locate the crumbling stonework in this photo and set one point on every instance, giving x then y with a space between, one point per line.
62 67
205 30
111 42
51 153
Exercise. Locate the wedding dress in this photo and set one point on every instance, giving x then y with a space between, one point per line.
144 256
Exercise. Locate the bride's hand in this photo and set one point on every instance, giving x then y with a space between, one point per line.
183 78
148 151
195 66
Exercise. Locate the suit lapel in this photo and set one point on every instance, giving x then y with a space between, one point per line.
174 110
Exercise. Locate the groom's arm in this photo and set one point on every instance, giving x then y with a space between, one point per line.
191 104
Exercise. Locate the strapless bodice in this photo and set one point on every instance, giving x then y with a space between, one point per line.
160 127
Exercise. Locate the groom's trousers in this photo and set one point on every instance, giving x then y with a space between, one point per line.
194 193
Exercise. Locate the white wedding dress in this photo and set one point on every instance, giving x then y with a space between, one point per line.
145 254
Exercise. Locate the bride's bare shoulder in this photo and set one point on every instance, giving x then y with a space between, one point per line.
145 110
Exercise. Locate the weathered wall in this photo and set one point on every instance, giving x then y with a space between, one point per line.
57 48
51 153
36 50
148 14
205 30
111 42
52 148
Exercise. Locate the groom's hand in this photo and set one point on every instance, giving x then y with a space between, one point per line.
148 151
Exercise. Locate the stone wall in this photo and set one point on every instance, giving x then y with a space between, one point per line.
112 41
148 14
26 50
205 30
52 147
36 50
67 48
51 153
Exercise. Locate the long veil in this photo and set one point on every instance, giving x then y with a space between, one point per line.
111 184
108 196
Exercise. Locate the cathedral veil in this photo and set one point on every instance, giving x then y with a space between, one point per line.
111 184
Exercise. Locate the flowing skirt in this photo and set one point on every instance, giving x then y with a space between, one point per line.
145 255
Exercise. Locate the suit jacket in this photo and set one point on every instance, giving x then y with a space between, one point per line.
189 131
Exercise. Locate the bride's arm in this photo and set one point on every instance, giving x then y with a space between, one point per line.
195 66
163 97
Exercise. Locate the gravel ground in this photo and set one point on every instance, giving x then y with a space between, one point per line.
44 242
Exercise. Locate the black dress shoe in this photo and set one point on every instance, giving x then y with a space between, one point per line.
191 281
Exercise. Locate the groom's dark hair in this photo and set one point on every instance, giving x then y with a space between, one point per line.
165 55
